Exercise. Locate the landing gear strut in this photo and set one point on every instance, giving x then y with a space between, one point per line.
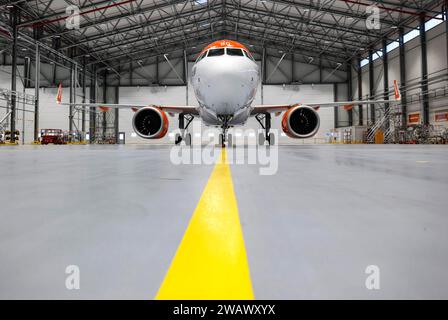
264 119
223 136
184 136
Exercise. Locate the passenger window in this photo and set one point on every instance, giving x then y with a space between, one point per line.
234 52
215 52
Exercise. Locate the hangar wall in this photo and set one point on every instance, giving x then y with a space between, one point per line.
437 66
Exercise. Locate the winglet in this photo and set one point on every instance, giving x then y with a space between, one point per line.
59 95
397 91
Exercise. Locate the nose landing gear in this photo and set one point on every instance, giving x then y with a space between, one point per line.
223 137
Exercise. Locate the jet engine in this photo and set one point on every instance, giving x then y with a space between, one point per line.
300 122
150 123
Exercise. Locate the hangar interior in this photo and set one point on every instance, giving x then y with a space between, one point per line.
142 52
309 230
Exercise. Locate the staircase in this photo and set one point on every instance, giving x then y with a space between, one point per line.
383 123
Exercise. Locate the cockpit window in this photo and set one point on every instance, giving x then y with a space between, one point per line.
234 52
215 52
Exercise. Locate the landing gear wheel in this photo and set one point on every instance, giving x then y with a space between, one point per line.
221 140
229 140
261 139
271 139
188 139
177 138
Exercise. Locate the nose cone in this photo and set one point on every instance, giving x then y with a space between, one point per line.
226 83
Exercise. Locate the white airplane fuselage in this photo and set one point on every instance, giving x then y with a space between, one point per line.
225 85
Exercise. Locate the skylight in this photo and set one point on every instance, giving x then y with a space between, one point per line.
433 22
391 46
364 62
411 35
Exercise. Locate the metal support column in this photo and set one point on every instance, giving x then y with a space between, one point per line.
36 93
92 114
117 114
371 86
130 72
385 78
186 76
56 46
104 113
83 111
320 70
424 83
26 72
336 109
263 73
402 55
360 108
446 30
292 68
14 16
26 84
157 71
71 96
349 92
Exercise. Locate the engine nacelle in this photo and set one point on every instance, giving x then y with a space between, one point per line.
300 122
150 123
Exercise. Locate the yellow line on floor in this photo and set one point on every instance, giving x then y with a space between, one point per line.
211 261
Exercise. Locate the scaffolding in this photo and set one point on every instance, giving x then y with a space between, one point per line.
390 124
22 99
105 132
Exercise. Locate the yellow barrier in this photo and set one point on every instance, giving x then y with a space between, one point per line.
9 143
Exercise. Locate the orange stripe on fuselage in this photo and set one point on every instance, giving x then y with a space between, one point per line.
224 44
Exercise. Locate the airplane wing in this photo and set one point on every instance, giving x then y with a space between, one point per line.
106 106
278 108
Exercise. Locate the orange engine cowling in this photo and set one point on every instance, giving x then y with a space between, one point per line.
300 122
150 123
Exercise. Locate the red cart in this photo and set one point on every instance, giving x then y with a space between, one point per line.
55 136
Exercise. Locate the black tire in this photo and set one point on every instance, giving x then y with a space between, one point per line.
261 139
271 139
188 139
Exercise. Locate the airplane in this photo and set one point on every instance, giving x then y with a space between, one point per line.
225 78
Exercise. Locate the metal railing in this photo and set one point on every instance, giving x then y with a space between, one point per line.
6 94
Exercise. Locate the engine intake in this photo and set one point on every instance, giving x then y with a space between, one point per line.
150 123
300 122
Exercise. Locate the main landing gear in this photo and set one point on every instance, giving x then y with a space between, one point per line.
264 119
184 136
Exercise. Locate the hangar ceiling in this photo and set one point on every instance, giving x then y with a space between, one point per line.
111 33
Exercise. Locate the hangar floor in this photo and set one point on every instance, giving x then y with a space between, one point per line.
310 230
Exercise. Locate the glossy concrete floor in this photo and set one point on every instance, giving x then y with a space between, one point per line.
311 228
